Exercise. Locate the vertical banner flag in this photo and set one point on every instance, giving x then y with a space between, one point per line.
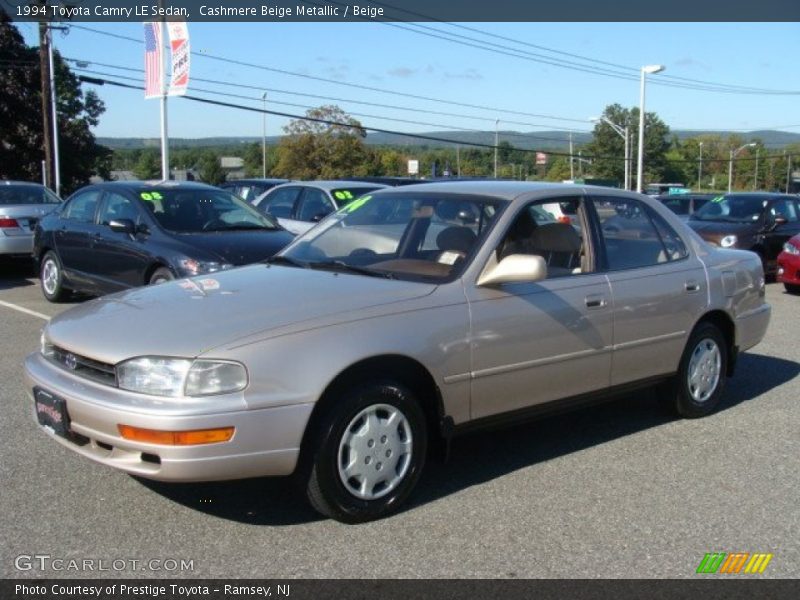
153 79
179 44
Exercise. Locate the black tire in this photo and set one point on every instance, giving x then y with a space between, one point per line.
792 288
328 492
51 278
161 275
680 393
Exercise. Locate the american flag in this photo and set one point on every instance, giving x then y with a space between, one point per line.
153 79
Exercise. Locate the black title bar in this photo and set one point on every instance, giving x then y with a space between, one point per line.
404 10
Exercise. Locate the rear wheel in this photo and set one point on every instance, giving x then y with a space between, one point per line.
792 288
697 388
370 455
51 276
161 275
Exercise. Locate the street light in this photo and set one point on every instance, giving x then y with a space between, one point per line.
646 70
264 138
496 134
700 168
730 163
623 132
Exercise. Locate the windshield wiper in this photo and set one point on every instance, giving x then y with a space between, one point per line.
340 265
286 260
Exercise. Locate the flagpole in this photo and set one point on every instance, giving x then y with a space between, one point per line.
164 134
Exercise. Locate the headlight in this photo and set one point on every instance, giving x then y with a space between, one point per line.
45 346
790 248
728 241
180 377
199 267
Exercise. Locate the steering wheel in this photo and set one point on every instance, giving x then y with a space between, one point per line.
214 224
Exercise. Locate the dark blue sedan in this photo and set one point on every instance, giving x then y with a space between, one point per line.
113 236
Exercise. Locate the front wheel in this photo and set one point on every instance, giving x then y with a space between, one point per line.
51 277
697 388
161 275
370 455
792 288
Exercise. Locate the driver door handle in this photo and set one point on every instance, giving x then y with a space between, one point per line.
692 286
595 301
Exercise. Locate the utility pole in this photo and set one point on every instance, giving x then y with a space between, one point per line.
264 138
496 137
47 126
700 169
571 163
755 181
788 171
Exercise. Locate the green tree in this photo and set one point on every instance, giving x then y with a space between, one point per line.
21 137
312 149
210 170
608 147
148 166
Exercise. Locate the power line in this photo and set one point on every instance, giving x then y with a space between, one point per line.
333 98
664 80
380 117
345 83
428 137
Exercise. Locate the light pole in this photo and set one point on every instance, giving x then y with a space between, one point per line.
646 70
496 134
755 180
622 132
264 138
700 168
730 163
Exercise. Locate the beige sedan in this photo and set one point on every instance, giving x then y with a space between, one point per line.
408 316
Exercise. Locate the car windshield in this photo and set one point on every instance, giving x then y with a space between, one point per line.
414 236
346 195
733 208
26 194
200 210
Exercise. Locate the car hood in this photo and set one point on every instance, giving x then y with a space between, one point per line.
189 317
237 247
717 228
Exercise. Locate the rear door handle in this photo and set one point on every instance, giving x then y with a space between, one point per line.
595 301
692 286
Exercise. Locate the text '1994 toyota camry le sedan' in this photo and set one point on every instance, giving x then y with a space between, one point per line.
406 317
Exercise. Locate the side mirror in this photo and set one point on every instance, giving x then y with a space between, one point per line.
516 268
122 226
779 220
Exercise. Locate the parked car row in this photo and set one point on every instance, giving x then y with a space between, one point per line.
410 315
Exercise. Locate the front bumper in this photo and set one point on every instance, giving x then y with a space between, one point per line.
266 441
788 268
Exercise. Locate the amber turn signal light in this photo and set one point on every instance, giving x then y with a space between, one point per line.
176 438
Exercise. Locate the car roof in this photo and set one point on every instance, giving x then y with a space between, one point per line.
331 184
140 185
506 190
13 182
256 180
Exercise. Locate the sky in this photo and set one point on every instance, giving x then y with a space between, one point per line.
392 58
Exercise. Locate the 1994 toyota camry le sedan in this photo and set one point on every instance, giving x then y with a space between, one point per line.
402 319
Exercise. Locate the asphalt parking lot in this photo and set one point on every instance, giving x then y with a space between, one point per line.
620 490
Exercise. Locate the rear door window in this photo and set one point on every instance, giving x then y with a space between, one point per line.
280 203
83 206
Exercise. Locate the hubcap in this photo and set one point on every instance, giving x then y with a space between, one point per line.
704 370
50 276
375 451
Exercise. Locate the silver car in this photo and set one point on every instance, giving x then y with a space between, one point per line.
21 206
299 205
346 362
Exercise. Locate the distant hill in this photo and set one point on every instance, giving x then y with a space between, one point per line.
544 140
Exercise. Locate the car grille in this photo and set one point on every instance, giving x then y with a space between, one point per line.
85 367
